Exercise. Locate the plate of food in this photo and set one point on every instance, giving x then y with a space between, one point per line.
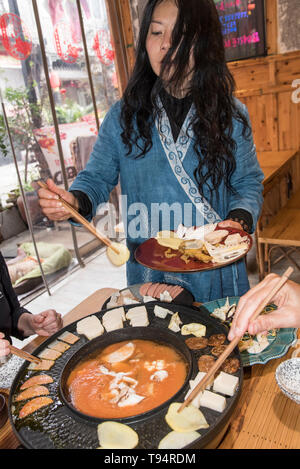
257 349
148 292
194 249
116 379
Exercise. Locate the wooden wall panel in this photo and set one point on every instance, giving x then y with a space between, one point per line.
265 86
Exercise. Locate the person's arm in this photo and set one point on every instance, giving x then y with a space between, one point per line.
286 315
16 309
248 176
94 184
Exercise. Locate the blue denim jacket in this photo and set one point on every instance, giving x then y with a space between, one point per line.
166 176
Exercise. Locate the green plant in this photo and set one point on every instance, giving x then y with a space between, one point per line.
71 112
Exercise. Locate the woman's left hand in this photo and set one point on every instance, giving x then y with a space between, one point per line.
230 224
45 324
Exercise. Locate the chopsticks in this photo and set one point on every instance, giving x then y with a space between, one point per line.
207 378
81 219
25 355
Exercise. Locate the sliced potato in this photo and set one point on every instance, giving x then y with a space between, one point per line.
198 330
118 259
114 435
188 420
177 440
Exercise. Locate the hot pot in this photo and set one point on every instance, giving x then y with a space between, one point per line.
61 426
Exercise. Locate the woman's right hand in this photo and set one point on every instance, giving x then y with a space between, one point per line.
4 346
50 204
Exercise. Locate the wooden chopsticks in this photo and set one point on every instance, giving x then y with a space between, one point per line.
81 219
207 378
25 355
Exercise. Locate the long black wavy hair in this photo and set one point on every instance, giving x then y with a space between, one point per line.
198 29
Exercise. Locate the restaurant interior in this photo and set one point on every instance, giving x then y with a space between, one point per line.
63 65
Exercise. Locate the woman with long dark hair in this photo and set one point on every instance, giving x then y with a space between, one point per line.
180 143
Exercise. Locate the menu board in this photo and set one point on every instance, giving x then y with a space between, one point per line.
243 25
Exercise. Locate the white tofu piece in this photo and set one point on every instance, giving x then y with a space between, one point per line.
212 401
90 326
117 314
226 384
129 301
198 378
147 299
140 321
175 322
196 401
113 325
161 312
165 296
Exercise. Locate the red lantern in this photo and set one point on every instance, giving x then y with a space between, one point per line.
54 80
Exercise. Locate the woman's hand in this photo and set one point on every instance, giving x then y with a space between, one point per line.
4 346
230 224
50 204
44 324
287 313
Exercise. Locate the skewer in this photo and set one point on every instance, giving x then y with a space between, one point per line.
81 219
201 385
25 355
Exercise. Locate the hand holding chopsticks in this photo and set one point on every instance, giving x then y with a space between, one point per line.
234 343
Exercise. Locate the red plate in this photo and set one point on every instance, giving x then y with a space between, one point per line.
151 254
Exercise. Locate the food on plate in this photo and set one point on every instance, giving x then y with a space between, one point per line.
33 391
166 297
174 324
138 316
212 401
230 365
218 350
194 232
258 344
205 363
196 329
216 339
33 405
224 312
215 237
49 354
119 258
161 312
90 327
177 440
121 354
44 365
36 380
126 378
114 435
226 384
235 239
188 419
196 343
113 319
223 253
168 239
69 338
194 250
59 346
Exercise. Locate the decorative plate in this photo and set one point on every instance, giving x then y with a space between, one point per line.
152 255
278 344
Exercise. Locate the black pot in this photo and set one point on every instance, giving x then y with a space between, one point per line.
161 336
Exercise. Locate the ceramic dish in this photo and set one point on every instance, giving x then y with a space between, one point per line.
151 254
288 378
278 344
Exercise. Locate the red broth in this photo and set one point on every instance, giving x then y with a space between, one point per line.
95 385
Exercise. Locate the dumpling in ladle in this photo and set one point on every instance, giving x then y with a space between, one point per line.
118 254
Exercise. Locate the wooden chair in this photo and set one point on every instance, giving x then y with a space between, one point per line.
282 233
